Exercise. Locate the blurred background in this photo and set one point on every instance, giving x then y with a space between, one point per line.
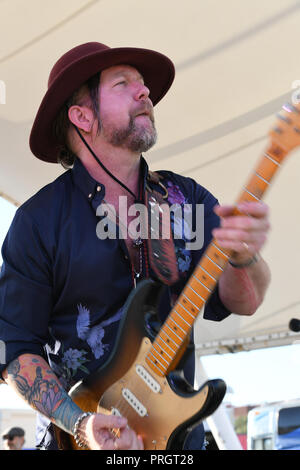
236 65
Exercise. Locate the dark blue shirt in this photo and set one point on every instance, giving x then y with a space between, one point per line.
62 289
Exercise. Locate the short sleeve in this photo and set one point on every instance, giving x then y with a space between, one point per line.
25 291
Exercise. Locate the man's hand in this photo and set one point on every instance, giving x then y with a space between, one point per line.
242 290
97 431
244 234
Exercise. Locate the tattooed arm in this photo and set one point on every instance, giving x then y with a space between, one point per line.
31 377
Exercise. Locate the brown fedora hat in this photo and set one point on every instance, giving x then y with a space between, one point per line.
75 67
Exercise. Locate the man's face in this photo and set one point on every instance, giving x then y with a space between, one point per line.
126 112
16 443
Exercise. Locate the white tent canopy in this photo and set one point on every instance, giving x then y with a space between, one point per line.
236 65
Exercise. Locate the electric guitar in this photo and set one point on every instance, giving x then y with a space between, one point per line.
142 379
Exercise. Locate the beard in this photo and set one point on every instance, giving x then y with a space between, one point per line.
135 137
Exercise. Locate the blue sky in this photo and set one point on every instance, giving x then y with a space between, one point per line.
260 376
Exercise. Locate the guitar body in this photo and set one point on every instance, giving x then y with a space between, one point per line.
162 410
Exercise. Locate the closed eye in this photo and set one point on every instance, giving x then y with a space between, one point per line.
122 82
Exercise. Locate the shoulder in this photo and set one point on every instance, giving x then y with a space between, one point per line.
48 199
38 217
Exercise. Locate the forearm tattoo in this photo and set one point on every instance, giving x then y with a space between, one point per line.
37 384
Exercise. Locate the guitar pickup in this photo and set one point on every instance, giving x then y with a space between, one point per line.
148 379
115 412
134 402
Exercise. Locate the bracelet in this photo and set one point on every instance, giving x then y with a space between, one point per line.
76 430
251 261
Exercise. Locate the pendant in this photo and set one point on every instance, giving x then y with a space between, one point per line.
137 243
136 278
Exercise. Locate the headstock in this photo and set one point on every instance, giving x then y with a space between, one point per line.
286 132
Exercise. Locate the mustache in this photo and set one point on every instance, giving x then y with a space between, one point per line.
145 108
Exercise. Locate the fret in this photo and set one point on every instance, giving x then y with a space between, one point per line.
214 243
188 324
260 181
160 355
157 363
267 168
250 194
177 325
165 346
216 264
163 354
203 300
189 313
216 254
211 267
198 280
196 309
199 288
257 186
263 179
201 267
167 340
172 330
273 159
169 328
154 368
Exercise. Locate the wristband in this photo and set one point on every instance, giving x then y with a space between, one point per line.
76 430
251 261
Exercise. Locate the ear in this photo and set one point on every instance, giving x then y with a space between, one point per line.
82 117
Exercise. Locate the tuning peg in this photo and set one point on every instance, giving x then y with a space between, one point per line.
278 130
290 108
284 118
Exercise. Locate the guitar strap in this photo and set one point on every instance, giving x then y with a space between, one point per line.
161 249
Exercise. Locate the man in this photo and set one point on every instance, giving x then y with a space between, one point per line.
64 283
13 439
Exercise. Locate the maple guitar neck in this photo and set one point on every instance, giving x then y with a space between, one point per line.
178 325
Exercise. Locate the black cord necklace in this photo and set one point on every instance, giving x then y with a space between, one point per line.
104 167
138 242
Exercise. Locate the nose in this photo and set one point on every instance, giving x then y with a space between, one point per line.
141 92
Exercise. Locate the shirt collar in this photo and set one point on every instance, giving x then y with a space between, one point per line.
90 187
